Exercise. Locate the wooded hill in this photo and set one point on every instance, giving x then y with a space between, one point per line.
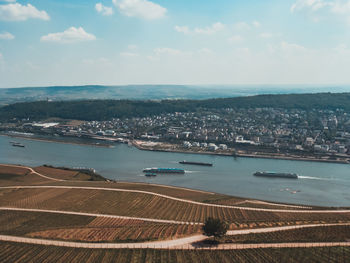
107 109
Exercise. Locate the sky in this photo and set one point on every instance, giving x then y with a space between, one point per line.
194 42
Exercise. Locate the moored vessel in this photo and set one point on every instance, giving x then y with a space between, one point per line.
277 175
150 174
196 163
17 144
164 170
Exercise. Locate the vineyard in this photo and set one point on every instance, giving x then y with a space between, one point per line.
150 206
18 176
68 173
14 252
87 228
126 233
21 223
61 174
72 176
314 234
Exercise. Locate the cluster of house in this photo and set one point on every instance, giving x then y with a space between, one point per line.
291 129
205 146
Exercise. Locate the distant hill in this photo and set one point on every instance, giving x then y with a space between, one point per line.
146 92
107 109
136 92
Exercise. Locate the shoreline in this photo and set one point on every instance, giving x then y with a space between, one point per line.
58 141
240 155
143 148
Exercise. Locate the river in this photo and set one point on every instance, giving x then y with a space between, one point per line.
324 184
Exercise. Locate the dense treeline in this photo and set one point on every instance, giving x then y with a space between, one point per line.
107 109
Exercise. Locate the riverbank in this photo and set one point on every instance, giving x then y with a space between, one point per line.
53 140
162 147
142 147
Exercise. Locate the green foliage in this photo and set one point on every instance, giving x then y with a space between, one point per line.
215 227
108 109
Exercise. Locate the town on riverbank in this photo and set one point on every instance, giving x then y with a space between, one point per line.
267 126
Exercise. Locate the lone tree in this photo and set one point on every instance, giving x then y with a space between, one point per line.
215 227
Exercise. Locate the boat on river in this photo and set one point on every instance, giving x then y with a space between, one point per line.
276 175
164 170
17 144
196 163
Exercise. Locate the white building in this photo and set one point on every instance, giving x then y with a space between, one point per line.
187 144
212 147
223 147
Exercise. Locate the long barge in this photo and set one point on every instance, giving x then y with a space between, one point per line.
164 171
196 163
277 175
17 144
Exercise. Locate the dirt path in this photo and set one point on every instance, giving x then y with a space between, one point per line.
179 199
99 215
33 172
185 243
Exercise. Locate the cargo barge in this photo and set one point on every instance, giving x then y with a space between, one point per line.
164 171
17 144
150 174
276 175
196 163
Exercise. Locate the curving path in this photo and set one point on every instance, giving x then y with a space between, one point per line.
31 170
184 243
178 199
99 215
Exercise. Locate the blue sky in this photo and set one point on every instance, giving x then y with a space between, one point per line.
61 42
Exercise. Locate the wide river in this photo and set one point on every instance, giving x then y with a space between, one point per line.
324 184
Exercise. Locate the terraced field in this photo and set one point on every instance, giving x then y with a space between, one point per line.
151 206
314 234
145 207
19 176
62 174
14 252
88 228
67 174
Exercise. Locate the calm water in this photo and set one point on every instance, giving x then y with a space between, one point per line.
320 183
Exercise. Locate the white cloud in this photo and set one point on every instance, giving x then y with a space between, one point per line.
132 47
235 39
327 8
341 7
335 6
205 51
256 24
182 29
291 47
18 12
313 5
9 1
209 30
140 8
6 36
129 54
70 35
104 10
241 26
245 26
